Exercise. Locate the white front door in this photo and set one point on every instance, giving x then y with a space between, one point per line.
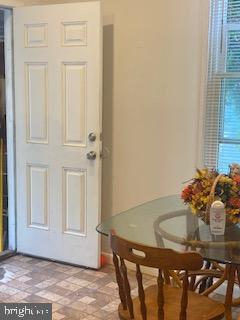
57 61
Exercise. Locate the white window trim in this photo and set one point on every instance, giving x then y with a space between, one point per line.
205 22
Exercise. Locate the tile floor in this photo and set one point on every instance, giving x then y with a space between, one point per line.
75 293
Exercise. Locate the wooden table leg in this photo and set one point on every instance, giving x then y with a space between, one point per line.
231 271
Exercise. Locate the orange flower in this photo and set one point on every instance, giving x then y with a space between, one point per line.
197 188
234 202
186 193
236 178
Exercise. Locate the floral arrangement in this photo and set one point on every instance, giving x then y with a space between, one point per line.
198 195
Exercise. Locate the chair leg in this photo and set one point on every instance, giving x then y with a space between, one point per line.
231 271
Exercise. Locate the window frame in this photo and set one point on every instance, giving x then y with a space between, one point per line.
217 72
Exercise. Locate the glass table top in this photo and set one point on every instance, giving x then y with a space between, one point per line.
167 223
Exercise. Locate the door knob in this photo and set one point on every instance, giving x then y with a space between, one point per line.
91 155
92 137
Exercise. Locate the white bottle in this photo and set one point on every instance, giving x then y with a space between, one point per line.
217 218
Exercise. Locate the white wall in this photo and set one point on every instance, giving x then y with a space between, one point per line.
155 71
154 54
154 65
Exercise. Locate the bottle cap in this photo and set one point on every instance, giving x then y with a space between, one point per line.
218 205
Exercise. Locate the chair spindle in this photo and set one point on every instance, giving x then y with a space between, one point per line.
238 276
184 301
160 282
127 288
192 283
119 279
166 276
141 293
203 285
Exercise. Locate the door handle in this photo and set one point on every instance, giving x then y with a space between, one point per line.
91 155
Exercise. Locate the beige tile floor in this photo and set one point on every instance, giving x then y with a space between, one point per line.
75 293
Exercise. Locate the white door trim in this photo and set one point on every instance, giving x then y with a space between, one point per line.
10 118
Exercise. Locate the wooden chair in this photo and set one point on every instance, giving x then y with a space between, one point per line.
161 301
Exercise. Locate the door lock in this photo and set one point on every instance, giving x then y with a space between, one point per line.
91 155
92 137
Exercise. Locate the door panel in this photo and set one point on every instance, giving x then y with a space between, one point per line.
37 104
74 100
74 198
57 52
37 197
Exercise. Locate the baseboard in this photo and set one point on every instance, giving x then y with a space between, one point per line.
150 271
107 257
7 254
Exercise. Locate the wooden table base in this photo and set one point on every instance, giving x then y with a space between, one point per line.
205 284
231 274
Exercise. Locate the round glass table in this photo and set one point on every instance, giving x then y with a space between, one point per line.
167 223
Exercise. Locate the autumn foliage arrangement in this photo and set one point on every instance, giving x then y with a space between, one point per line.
199 193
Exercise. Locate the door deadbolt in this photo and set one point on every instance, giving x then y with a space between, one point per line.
91 155
92 137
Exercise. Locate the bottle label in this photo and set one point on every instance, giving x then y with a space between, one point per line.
217 218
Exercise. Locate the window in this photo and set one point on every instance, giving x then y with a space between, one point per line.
222 122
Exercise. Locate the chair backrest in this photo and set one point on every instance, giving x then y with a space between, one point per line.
161 259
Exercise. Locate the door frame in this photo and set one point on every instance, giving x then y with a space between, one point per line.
10 122
7 7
